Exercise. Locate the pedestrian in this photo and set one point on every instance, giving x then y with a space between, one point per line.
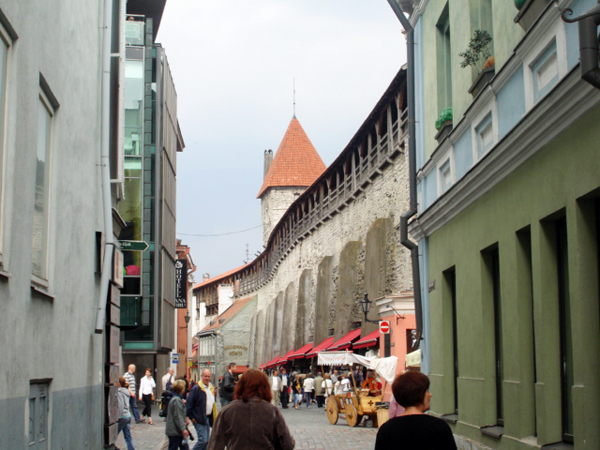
202 409
284 394
337 386
227 385
346 386
123 402
395 409
327 385
357 379
334 376
130 378
319 393
147 385
167 379
296 390
372 384
275 384
176 428
414 428
266 430
309 387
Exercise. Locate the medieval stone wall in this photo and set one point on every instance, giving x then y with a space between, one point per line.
316 287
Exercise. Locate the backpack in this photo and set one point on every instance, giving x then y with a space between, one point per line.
169 383
166 397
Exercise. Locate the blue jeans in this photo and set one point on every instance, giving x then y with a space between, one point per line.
307 397
133 409
125 427
203 433
176 443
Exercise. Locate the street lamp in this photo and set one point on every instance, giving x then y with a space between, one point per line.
187 320
365 304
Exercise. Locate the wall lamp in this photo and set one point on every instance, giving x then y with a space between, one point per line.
187 319
365 304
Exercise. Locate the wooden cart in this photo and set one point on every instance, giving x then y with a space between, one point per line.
353 405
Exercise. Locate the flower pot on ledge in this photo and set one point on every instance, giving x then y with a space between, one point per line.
444 131
482 80
529 13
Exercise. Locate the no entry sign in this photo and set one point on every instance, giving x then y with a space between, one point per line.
384 326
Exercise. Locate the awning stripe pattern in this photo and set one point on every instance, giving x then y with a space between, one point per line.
369 340
321 347
346 341
301 352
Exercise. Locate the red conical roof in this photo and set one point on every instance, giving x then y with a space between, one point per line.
296 162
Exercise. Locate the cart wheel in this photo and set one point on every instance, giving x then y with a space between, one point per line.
352 416
332 410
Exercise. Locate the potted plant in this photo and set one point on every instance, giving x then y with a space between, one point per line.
443 124
479 57
529 11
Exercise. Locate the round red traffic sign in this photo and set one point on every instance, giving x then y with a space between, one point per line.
384 326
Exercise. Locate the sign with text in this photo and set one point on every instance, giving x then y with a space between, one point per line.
134 246
181 283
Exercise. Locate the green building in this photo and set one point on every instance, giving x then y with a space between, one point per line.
508 221
150 141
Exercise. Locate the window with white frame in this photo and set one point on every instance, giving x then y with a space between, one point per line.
545 71
445 176
485 135
39 255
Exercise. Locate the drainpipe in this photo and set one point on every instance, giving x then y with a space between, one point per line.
588 43
109 244
412 164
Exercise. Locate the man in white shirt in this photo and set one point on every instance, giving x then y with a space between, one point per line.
275 385
168 377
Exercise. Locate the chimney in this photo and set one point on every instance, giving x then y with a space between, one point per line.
205 276
268 161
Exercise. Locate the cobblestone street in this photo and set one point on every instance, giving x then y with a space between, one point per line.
309 426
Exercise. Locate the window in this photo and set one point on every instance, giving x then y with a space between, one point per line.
485 135
444 61
545 71
445 174
491 290
449 294
5 44
38 416
566 333
46 109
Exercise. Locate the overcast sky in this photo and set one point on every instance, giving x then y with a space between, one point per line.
234 64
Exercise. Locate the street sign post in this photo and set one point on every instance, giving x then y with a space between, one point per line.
384 326
134 246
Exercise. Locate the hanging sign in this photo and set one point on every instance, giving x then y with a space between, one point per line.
181 283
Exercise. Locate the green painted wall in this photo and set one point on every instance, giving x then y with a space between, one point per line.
554 181
506 35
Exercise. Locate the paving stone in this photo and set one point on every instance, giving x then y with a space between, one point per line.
309 426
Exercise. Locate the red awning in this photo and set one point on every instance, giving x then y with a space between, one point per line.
321 347
273 362
262 367
368 341
301 352
240 369
345 342
286 357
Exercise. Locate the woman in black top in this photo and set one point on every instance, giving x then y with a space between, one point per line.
414 429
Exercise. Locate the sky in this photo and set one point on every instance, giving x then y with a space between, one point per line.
238 67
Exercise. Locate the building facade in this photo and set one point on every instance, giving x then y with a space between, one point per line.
151 141
507 223
56 206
